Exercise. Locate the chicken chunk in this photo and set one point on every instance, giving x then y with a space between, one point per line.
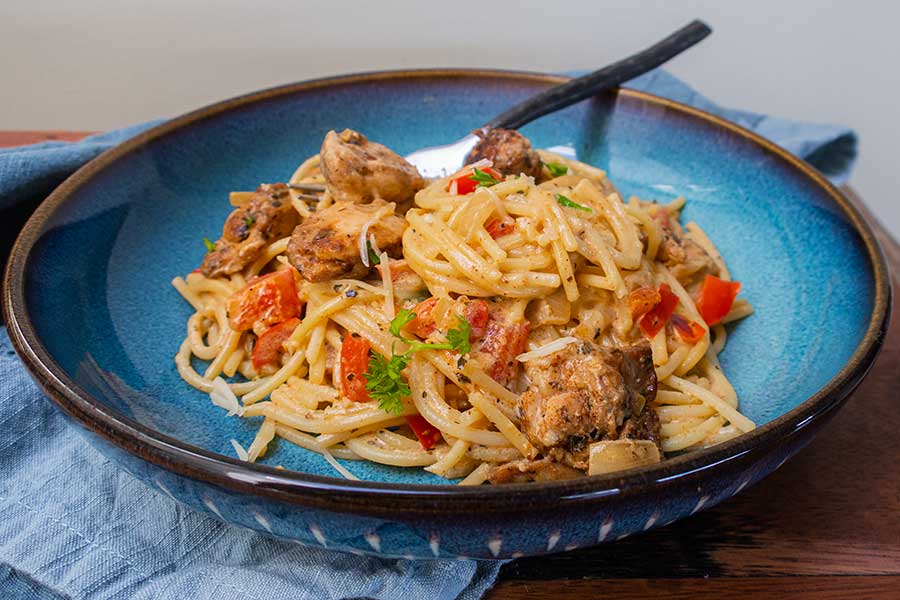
509 151
358 170
585 393
685 258
326 245
267 217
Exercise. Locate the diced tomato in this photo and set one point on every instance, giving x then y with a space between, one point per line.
690 331
466 185
354 365
197 270
269 343
423 325
503 343
642 299
716 298
500 227
428 434
477 314
269 299
655 319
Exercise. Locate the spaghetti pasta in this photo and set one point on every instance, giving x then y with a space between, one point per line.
482 338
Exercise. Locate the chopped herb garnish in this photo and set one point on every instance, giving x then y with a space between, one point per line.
210 246
373 258
249 220
483 178
400 321
459 336
385 379
556 169
566 202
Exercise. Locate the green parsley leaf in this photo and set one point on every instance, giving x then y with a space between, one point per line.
373 258
384 378
483 178
385 381
566 202
401 320
210 246
556 169
249 220
459 336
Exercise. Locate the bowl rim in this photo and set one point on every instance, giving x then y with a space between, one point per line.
353 496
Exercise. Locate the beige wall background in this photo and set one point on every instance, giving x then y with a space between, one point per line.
99 64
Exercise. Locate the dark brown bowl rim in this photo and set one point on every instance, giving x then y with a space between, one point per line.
376 497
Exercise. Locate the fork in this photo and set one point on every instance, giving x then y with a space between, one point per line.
438 161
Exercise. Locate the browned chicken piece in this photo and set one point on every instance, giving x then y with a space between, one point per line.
326 245
509 150
359 170
685 258
645 426
585 393
526 471
267 217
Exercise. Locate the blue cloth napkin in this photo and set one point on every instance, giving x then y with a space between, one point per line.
76 526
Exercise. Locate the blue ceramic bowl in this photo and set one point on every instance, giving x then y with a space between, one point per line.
93 316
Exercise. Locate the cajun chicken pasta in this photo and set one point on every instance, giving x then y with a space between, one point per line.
515 321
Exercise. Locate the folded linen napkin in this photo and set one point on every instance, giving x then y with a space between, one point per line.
76 526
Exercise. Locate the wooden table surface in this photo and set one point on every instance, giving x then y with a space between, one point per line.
825 525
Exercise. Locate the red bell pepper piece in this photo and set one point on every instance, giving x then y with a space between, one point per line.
354 365
655 319
270 342
716 298
466 185
269 299
504 342
428 434
690 331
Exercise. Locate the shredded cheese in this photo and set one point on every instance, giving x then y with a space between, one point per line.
388 283
364 234
338 466
548 348
241 453
222 396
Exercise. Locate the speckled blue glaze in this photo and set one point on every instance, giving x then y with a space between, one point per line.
98 294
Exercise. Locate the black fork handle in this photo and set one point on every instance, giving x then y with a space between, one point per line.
608 77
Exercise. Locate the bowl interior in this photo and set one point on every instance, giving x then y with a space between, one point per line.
98 280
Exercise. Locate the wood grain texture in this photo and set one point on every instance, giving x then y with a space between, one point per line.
22 138
736 588
825 525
